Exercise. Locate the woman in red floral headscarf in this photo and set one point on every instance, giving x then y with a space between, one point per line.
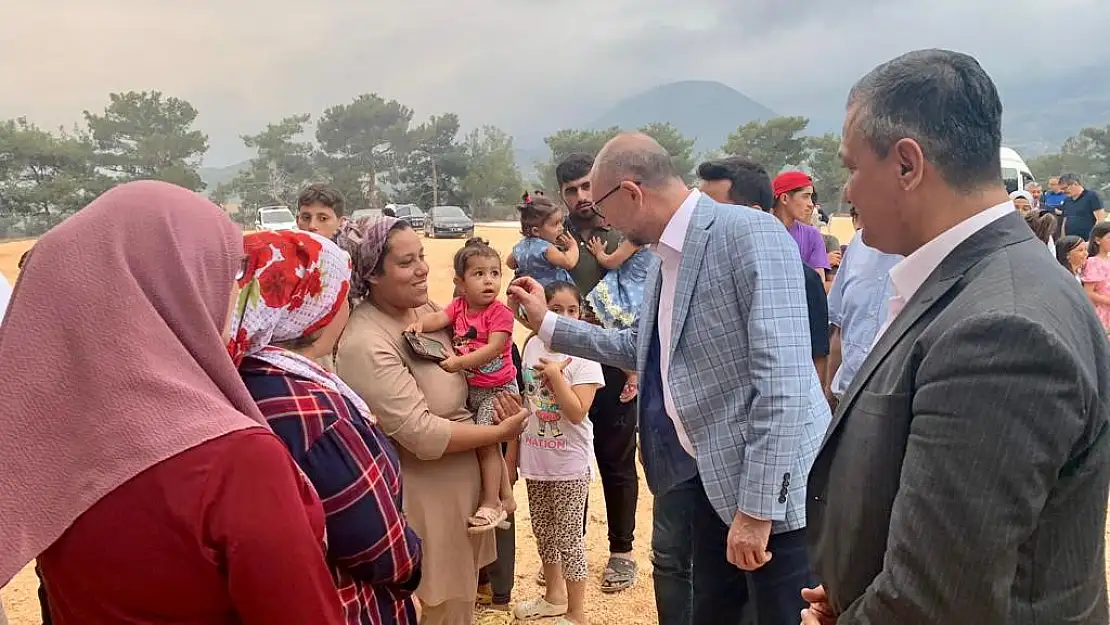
292 308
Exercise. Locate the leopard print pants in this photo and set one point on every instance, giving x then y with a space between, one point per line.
480 401
557 510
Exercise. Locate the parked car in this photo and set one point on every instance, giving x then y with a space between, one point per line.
372 213
410 213
276 218
448 221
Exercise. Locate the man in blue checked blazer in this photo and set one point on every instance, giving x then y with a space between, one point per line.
731 411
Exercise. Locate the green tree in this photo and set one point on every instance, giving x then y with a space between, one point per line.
1051 165
678 146
358 142
221 195
775 144
282 165
567 142
1087 155
492 178
430 171
44 177
828 171
146 135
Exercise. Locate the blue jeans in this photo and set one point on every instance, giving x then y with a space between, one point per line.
696 585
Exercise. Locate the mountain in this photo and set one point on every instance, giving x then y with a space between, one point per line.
1040 114
214 176
703 110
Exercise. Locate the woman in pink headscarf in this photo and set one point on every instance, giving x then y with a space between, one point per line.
292 309
134 463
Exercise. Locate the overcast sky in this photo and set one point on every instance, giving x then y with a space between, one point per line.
529 66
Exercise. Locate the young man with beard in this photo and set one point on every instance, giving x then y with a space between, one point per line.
614 422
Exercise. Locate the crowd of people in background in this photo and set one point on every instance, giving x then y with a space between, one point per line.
282 427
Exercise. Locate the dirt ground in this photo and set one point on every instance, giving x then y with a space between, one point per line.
632 607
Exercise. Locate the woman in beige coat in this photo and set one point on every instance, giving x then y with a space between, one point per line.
422 408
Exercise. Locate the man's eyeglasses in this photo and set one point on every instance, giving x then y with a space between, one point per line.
610 193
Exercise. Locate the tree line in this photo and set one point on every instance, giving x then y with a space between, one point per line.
1086 154
362 147
371 148
375 151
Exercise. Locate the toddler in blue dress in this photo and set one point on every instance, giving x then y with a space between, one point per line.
619 296
546 253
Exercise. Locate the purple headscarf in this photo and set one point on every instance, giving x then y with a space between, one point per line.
365 241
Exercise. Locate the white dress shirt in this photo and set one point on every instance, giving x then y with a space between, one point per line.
669 250
912 271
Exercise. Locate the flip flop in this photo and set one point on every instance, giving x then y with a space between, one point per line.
533 609
485 520
620 574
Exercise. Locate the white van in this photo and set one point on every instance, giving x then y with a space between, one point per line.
1015 173
276 218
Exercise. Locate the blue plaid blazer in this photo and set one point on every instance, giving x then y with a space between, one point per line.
741 375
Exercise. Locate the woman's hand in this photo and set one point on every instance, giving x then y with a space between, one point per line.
509 414
596 246
834 258
548 368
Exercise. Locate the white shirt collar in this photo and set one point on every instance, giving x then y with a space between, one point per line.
911 272
674 235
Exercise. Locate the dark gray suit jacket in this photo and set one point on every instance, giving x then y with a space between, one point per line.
964 478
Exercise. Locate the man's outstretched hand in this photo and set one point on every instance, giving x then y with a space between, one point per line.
528 294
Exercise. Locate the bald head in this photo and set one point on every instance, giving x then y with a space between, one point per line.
639 188
636 157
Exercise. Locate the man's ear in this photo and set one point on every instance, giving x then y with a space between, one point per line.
911 162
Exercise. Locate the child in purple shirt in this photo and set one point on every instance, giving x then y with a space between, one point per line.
793 206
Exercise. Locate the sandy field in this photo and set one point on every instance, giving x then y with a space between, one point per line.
632 607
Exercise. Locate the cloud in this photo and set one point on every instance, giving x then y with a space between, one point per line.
529 66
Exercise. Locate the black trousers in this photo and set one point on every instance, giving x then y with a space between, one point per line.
696 585
501 573
615 449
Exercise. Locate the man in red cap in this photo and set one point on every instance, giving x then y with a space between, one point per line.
793 206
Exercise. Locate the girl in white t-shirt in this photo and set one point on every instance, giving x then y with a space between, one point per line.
554 458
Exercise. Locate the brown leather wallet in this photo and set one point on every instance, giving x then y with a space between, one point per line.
426 347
